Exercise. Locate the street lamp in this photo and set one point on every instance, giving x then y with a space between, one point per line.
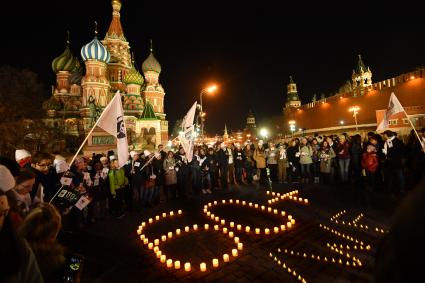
292 127
355 110
264 133
210 89
341 122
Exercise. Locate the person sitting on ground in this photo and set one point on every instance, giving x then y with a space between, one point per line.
40 228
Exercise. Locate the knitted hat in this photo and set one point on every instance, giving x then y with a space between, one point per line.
7 182
21 154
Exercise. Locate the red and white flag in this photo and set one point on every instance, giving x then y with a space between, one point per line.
112 121
187 135
394 107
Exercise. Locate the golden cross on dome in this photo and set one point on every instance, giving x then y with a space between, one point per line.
67 37
95 28
151 46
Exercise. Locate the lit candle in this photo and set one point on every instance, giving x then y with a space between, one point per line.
289 224
247 229
150 220
163 258
163 238
276 230
237 201
231 200
239 227
177 264
203 267
139 231
240 246
145 241
282 227
215 262
263 207
283 213
150 246
292 221
212 216
206 226
158 254
216 227
236 240
269 209
223 201
157 217
256 205
164 214
217 219
143 224
226 258
235 252
209 204
178 231
171 213
250 204
215 202
179 211
289 217
223 221
267 231
231 234
170 235
267 192
187 266
195 227
169 263
275 211
225 230
142 237
232 224
155 249
306 201
208 213
257 231
205 210
186 229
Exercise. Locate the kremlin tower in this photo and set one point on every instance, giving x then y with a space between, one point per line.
77 100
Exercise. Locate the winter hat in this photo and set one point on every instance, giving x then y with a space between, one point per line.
146 153
112 157
7 182
21 154
133 153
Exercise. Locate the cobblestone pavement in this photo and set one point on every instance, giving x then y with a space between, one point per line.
115 253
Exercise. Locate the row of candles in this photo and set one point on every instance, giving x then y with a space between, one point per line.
362 246
293 195
354 261
239 227
290 270
176 264
335 219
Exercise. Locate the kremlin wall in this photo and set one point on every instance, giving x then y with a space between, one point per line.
331 115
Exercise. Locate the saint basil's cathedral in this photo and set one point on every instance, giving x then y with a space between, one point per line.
78 99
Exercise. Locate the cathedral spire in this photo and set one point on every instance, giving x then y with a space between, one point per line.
151 49
115 30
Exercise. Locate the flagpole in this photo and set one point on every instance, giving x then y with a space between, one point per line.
82 144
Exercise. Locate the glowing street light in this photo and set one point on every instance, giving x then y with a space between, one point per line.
355 110
210 89
341 122
264 132
292 126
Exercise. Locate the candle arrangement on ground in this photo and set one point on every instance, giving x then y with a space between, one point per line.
292 196
355 222
288 220
288 269
187 266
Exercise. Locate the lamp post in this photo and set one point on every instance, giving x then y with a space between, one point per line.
355 110
292 127
210 89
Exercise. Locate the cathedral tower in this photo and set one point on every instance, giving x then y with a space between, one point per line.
292 99
362 77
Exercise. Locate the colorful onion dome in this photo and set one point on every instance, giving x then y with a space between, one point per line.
151 64
64 62
96 51
133 77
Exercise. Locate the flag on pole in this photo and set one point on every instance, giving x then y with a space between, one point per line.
394 107
112 121
187 135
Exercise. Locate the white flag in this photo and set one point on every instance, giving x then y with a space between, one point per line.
394 107
187 135
112 121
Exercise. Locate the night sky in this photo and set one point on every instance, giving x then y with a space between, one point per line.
248 49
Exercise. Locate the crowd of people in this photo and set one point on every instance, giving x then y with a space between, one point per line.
34 207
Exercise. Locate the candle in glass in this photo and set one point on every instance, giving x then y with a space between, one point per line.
240 246
163 258
177 264
203 267
226 258
187 266
235 252
215 262
169 263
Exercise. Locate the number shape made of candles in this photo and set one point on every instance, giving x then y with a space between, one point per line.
291 196
288 221
170 263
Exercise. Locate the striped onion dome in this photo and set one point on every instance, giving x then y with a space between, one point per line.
96 51
133 77
64 62
151 64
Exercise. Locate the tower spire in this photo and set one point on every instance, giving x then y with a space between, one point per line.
151 48
95 28
67 37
